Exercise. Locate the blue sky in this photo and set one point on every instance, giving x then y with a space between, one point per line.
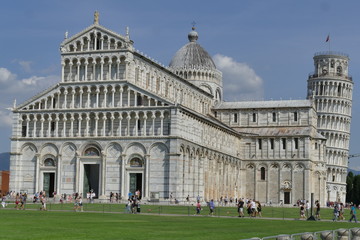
265 47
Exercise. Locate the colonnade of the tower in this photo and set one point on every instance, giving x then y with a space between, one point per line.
331 89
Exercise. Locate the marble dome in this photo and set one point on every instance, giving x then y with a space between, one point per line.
192 55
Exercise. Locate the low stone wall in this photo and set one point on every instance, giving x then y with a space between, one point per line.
338 234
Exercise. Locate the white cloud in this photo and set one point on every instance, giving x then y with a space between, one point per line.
6 76
26 65
30 86
239 80
20 89
5 118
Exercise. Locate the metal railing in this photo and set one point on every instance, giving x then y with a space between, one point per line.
335 53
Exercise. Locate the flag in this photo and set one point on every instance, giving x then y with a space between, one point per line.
328 38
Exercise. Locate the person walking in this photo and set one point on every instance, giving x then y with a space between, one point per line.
353 213
23 201
308 208
3 201
336 212
302 211
17 201
241 207
317 215
211 207
341 212
198 207
43 201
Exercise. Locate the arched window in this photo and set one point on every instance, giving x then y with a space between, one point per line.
135 162
339 70
49 162
332 63
262 173
91 151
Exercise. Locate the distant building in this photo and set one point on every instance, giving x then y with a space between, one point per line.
4 181
120 122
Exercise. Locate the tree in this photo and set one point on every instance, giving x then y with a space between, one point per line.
349 187
356 190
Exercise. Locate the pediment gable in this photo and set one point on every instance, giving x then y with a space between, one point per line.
95 38
54 97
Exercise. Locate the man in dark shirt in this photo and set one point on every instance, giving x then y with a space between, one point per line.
317 215
241 207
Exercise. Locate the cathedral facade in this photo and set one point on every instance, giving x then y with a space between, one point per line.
120 122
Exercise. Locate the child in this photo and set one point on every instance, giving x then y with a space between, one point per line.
3 203
198 207
302 212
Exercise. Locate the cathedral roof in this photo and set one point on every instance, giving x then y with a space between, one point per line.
281 131
192 55
265 104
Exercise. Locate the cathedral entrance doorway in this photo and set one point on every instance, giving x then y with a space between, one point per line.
49 183
135 182
286 197
91 179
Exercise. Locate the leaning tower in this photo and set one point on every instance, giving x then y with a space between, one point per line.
331 86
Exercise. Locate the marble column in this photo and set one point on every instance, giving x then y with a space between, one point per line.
147 176
42 120
58 174
37 172
120 120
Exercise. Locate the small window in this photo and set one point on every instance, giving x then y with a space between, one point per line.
235 117
262 173
98 46
135 162
332 63
52 126
274 117
316 145
23 131
339 91
92 152
215 114
254 117
333 178
339 70
139 125
54 103
49 162
295 116
271 143
260 143
139 100
296 143
283 140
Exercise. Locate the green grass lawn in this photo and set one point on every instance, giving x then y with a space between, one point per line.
89 225
272 212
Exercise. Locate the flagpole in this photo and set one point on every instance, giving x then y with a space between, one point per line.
329 42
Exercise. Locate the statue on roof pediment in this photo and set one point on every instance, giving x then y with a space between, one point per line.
95 38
